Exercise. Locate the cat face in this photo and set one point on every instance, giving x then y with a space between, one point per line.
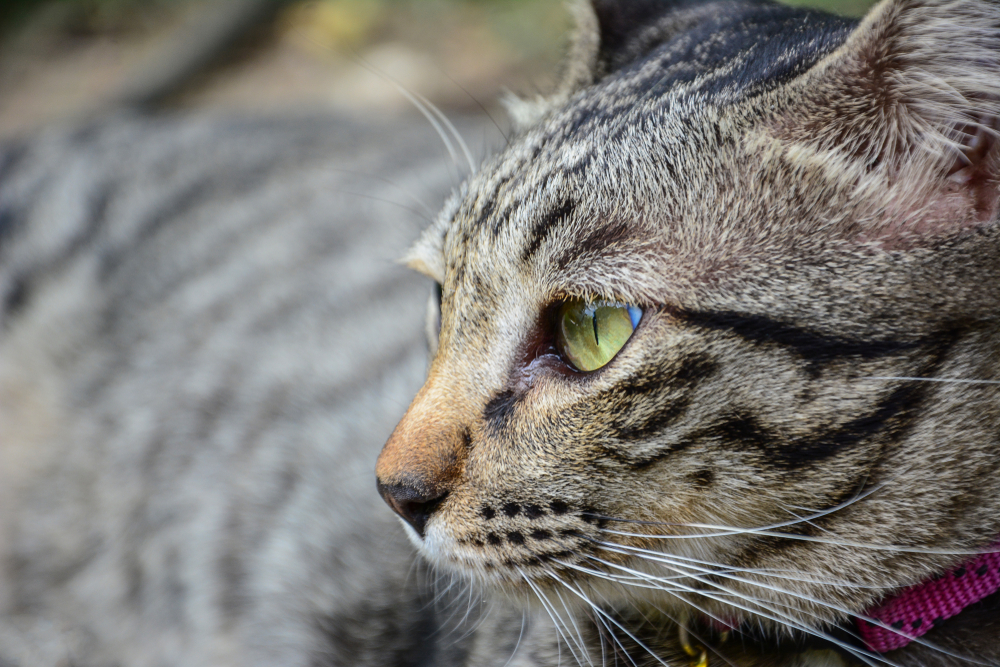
798 259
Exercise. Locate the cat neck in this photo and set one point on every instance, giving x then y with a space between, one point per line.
914 611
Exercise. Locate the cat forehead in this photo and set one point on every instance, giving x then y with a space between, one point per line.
599 212
597 179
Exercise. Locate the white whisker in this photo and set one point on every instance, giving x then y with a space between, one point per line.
618 625
520 636
454 131
556 619
724 531
428 212
576 627
766 611
918 379
649 555
664 559
654 586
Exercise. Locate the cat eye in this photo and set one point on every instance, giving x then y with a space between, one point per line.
589 334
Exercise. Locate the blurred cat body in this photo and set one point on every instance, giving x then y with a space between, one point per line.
205 337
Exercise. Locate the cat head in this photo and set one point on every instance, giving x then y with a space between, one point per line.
778 220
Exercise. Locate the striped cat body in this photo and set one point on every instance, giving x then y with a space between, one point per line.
204 340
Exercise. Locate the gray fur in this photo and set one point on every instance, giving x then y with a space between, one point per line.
207 337
201 348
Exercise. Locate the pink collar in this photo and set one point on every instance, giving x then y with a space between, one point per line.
917 609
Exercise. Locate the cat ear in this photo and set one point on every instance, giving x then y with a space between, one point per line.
608 34
909 108
628 29
426 256
579 69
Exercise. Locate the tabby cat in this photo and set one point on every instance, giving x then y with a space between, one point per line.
712 374
714 370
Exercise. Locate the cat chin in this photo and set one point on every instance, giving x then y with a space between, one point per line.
443 551
412 534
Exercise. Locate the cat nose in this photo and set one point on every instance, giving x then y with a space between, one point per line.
425 455
414 505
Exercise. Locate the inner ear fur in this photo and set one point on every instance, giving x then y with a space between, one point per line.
909 106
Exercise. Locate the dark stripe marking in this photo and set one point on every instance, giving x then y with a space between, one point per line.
692 371
742 430
657 423
596 243
811 346
556 216
499 409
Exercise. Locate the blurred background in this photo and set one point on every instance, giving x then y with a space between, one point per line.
70 59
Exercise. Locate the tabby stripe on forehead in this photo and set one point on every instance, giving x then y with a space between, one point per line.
541 231
597 242
809 345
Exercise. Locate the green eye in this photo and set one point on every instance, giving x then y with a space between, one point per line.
590 334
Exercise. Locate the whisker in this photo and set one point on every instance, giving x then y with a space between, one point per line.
618 625
404 207
555 624
806 521
423 109
481 618
381 179
919 379
777 574
768 612
729 530
468 610
431 119
621 550
437 586
576 627
616 643
454 131
616 579
412 97
481 106
520 635
554 615
683 623
454 602
809 538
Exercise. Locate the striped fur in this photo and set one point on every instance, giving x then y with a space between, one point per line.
204 339
805 208
200 348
